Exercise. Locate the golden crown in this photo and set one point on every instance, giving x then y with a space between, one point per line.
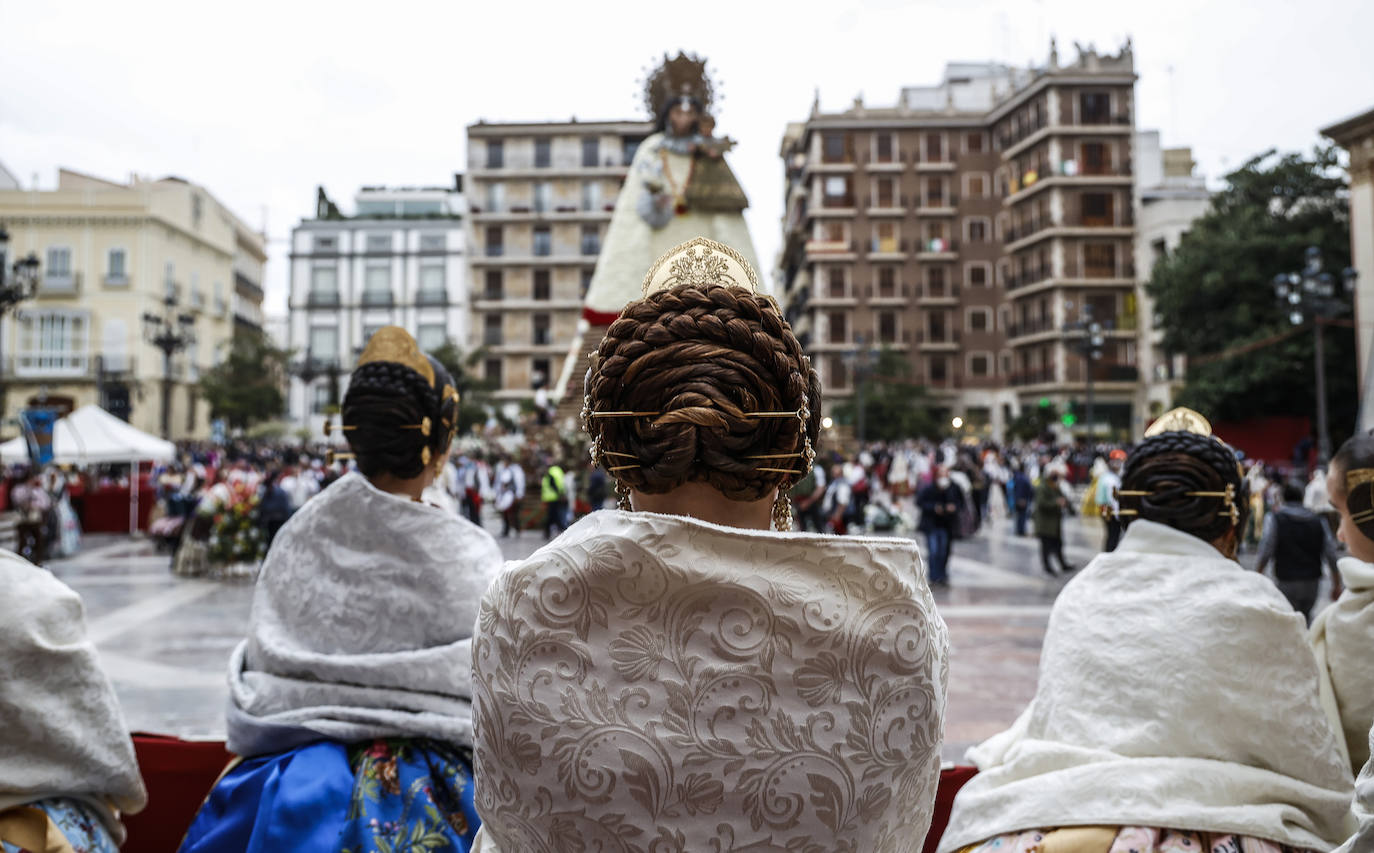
682 75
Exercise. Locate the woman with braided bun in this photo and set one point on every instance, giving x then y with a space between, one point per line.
1179 705
350 700
674 675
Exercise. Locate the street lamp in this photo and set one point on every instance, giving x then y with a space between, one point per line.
1087 338
861 361
1311 295
957 422
171 333
18 283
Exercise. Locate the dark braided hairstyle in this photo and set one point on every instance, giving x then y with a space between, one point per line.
704 357
386 405
1356 455
1168 467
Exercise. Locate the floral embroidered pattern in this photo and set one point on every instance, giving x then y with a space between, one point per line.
409 795
650 685
78 824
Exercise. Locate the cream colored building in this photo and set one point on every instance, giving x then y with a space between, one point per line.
541 196
110 253
1356 135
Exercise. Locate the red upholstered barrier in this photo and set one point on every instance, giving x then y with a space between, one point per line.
178 774
951 780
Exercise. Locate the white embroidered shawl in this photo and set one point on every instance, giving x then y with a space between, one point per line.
1363 839
1342 636
361 625
655 683
1176 690
61 730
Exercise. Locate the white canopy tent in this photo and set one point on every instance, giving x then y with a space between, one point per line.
92 436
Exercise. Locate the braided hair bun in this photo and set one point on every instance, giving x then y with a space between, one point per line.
387 408
703 358
1171 468
1356 457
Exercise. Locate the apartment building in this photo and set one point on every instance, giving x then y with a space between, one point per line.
541 197
970 227
1169 196
398 259
110 253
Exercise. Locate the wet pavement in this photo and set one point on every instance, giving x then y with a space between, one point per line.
165 640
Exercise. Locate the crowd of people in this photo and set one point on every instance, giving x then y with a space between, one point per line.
690 671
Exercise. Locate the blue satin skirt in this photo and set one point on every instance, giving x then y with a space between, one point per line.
378 797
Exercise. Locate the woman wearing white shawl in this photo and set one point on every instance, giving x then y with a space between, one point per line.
67 767
1178 702
1343 633
674 676
350 699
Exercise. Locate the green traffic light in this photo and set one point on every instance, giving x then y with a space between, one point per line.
1069 419
1044 402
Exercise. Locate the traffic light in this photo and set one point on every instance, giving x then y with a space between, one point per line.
1070 417
1045 402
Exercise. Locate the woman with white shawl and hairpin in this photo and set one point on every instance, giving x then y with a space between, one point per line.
350 698
1179 705
675 675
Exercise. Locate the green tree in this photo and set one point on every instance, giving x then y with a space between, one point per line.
1214 294
896 407
246 388
474 391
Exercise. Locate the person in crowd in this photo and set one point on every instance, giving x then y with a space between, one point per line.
807 498
1297 542
32 504
940 503
1342 633
1315 496
67 767
688 667
274 508
1050 507
1021 496
553 492
1178 705
596 487
1108 505
349 700
837 505
510 491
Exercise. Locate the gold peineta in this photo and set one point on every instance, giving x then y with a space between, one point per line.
394 344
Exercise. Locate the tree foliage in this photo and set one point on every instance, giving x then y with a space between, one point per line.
474 391
1215 292
895 406
246 388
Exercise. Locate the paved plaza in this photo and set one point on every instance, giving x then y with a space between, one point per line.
165 640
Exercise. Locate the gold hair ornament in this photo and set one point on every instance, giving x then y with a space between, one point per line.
1228 497
330 457
330 429
394 344
701 262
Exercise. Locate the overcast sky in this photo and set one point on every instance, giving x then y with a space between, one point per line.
260 102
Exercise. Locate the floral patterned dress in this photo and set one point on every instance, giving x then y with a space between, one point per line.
77 822
386 796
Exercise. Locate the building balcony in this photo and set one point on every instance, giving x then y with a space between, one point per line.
221 307
197 300
377 299
937 205
60 285
69 366
1013 138
1120 176
1023 230
832 249
247 288
432 299
943 342
1028 277
943 296
1036 376
938 250
120 280
1031 326
322 299
935 166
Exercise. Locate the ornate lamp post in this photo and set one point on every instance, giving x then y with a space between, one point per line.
1086 338
171 333
1312 295
18 283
